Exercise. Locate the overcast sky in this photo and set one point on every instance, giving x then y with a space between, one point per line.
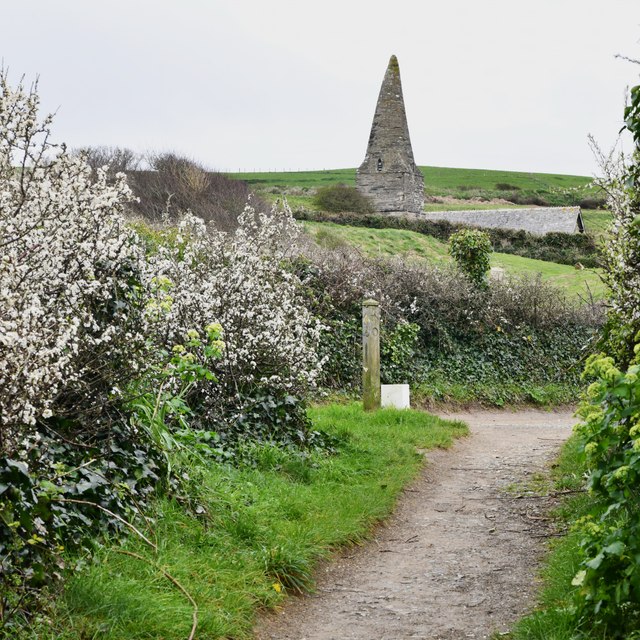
288 84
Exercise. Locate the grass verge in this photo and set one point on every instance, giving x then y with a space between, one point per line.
441 390
553 618
251 533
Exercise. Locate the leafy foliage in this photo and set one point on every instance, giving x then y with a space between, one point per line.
609 575
55 495
471 248
340 197
399 349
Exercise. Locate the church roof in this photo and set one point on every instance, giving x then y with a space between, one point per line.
538 221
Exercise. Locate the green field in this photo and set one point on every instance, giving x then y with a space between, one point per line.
596 222
445 188
439 177
412 245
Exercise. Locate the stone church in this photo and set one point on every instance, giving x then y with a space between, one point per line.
389 175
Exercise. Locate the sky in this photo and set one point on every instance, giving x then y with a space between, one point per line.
292 85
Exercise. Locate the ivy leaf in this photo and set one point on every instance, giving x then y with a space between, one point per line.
615 549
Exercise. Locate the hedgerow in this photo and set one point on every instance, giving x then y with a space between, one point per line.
608 580
437 325
563 248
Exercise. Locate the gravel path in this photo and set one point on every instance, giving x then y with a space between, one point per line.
457 560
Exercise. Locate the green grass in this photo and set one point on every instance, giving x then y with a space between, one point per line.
583 283
596 222
412 245
262 529
440 389
463 184
436 177
552 619
308 179
482 187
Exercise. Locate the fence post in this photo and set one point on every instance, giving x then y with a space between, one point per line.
371 355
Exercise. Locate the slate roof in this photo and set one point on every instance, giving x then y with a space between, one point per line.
538 221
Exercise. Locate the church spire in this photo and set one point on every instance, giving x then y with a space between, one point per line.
389 174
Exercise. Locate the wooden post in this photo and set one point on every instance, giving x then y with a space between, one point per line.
371 355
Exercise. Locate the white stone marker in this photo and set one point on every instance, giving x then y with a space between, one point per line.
395 395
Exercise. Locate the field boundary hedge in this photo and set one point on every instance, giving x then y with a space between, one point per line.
561 248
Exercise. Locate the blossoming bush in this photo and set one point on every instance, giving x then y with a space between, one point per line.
240 280
621 252
70 277
120 352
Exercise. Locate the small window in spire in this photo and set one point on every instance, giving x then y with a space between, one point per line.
379 164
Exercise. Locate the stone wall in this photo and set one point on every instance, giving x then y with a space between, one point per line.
393 191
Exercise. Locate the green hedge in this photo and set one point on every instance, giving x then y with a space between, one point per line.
562 248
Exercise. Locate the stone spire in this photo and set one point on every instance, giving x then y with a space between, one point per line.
389 174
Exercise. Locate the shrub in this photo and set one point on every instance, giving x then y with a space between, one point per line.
505 186
239 281
173 185
609 577
471 248
621 251
113 159
339 197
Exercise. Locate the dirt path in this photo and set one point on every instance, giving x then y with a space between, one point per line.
459 557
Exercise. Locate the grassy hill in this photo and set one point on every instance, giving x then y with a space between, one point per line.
415 246
445 188
434 177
